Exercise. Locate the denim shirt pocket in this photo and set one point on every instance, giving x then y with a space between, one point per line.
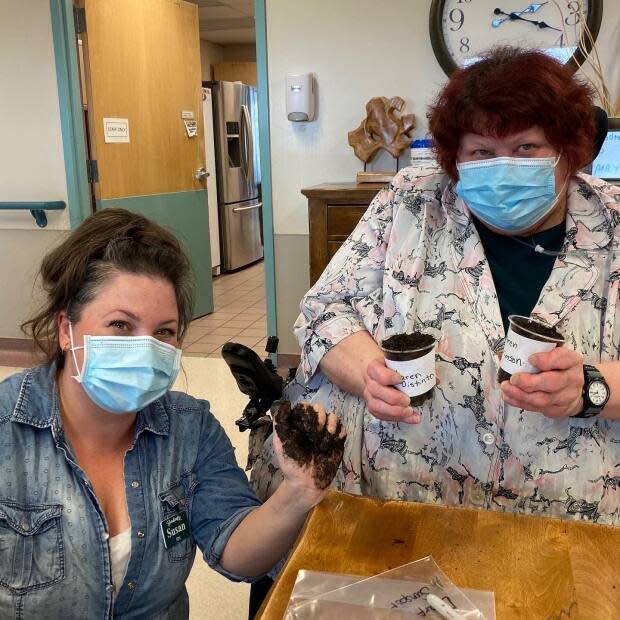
175 499
32 555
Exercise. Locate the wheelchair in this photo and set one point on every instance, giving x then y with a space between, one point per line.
259 380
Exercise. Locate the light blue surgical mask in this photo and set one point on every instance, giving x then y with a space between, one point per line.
124 374
509 193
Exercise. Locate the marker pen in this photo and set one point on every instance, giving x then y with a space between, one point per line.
442 608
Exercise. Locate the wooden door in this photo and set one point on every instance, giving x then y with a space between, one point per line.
142 66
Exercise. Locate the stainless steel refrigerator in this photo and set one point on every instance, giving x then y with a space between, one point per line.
235 119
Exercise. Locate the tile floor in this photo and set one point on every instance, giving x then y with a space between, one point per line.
239 315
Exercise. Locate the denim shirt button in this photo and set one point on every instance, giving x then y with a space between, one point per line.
106 536
135 484
140 534
110 587
26 527
131 585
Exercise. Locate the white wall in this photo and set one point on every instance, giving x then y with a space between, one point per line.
210 54
608 48
357 49
31 156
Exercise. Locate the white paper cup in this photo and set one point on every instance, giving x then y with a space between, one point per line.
417 368
522 340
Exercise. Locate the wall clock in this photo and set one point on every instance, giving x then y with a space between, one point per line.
461 29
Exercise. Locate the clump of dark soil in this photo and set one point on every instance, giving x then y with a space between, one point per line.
307 443
535 330
502 375
407 343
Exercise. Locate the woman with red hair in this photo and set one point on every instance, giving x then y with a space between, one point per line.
509 226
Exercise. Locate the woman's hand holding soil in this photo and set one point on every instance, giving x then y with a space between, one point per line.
309 443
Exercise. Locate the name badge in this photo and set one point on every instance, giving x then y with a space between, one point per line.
174 529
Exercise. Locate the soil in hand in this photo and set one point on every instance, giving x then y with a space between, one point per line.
307 443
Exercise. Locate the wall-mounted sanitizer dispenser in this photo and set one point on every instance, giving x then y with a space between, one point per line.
300 97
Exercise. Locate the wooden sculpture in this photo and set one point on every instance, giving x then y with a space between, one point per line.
383 128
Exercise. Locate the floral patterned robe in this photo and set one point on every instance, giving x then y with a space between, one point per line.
415 261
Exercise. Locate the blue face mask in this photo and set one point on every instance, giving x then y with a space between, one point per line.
509 193
124 374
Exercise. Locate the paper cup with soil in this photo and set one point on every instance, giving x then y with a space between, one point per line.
413 356
525 337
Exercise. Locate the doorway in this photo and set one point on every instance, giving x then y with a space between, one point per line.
74 135
142 98
233 49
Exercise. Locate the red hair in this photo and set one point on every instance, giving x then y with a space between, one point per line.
508 91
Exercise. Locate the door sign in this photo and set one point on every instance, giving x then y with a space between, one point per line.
191 128
116 129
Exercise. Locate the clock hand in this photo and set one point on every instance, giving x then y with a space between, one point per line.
540 24
531 8
517 16
543 25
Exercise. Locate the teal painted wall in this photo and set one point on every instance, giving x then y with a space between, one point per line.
187 216
71 113
265 163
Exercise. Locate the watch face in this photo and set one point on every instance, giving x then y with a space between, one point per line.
469 27
597 393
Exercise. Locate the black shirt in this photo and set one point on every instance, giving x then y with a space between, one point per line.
519 273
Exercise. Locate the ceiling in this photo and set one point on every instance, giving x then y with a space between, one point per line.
226 21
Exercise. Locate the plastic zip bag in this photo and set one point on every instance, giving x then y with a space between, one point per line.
398 593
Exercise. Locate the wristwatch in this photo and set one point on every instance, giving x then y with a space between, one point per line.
595 392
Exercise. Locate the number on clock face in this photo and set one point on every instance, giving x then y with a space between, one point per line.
597 393
469 27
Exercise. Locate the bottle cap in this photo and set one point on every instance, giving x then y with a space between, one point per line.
422 144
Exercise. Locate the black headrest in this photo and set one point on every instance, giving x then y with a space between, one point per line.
601 120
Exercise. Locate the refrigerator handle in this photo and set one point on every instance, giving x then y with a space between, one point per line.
248 142
243 143
258 205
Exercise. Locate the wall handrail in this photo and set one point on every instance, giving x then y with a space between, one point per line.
37 209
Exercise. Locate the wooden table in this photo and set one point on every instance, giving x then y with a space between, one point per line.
539 568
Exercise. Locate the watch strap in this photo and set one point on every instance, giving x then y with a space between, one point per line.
591 374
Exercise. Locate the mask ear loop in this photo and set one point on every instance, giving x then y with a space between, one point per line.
77 377
537 247
568 176
564 185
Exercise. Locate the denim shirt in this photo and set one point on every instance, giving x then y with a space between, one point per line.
54 552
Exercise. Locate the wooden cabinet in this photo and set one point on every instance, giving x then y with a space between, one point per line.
334 209
236 72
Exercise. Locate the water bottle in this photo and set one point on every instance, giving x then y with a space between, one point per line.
422 153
